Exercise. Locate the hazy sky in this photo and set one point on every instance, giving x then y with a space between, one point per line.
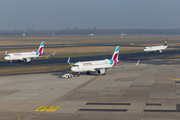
60 14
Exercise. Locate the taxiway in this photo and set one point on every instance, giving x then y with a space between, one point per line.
148 91
63 61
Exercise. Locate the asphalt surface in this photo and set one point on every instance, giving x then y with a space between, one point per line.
143 92
63 61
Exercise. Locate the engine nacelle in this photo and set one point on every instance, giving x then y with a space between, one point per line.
159 51
27 60
101 71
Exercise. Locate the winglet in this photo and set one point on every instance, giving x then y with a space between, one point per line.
68 60
42 43
137 63
54 53
6 52
71 64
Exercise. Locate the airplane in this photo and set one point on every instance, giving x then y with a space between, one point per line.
26 56
97 65
156 48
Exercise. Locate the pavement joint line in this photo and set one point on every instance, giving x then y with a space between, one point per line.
62 97
72 91
23 82
160 75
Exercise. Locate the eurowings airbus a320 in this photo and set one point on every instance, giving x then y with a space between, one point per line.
26 56
97 65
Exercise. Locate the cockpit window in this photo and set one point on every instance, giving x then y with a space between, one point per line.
7 55
75 65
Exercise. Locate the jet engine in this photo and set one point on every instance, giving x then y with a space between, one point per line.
159 51
27 60
101 71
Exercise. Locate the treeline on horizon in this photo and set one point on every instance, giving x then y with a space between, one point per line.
91 31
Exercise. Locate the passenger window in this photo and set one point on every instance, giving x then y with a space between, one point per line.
75 65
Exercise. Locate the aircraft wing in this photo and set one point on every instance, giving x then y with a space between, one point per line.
170 48
70 62
36 57
129 65
118 66
45 55
102 68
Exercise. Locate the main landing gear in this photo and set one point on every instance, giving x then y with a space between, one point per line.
88 73
10 62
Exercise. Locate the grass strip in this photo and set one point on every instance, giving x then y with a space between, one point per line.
23 70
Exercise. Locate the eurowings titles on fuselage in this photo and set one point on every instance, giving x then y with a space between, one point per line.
97 65
25 56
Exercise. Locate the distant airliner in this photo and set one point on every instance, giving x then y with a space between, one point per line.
26 56
97 65
156 48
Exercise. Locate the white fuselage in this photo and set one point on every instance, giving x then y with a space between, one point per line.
91 65
154 48
20 56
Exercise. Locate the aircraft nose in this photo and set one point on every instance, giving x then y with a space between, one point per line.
73 69
5 57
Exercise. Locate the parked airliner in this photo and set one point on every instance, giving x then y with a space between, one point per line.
156 48
97 65
26 56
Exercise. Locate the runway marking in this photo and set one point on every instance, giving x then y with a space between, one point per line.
175 79
108 103
11 113
153 104
47 108
105 110
161 110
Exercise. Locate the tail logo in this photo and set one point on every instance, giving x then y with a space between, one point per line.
40 50
114 58
165 43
